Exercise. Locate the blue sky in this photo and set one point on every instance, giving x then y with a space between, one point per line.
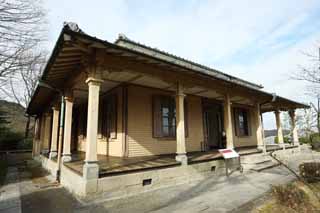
260 41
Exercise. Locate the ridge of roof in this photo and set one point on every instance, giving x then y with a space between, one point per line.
208 70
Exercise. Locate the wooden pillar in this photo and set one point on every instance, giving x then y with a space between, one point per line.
47 133
54 134
180 125
66 155
294 129
228 121
259 129
279 129
36 139
91 168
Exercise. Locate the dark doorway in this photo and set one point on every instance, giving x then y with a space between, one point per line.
213 124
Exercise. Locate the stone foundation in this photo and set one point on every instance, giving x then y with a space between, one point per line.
49 165
121 185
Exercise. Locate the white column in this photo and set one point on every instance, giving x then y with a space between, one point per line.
91 168
260 141
66 154
54 134
294 129
180 132
279 129
228 121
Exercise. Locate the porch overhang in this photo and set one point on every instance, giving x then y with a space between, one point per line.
75 49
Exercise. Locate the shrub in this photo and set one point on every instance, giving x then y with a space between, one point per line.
310 171
289 195
285 139
25 144
304 140
315 141
10 140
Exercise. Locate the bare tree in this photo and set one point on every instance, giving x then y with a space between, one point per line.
306 121
22 32
21 29
22 85
311 75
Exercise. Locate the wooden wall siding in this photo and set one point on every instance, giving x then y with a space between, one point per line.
105 146
250 140
140 140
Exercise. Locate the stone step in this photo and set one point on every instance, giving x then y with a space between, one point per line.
263 161
264 166
255 159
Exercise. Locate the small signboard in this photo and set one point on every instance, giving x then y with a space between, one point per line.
228 153
231 156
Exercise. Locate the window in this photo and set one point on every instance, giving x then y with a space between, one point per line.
108 114
164 117
168 116
242 122
110 106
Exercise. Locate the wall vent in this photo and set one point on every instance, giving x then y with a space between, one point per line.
146 182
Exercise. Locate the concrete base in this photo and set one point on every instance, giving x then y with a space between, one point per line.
45 151
129 184
182 158
66 158
48 164
282 145
53 154
90 171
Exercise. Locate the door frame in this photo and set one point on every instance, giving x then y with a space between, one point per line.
206 102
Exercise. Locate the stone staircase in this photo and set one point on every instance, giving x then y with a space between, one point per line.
258 162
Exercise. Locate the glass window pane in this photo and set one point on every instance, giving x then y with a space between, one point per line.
165 121
165 130
165 111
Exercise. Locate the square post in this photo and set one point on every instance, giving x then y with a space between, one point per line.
294 130
91 168
66 154
279 129
180 131
54 135
228 121
259 129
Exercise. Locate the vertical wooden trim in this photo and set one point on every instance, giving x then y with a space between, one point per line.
125 147
204 123
236 121
186 117
249 121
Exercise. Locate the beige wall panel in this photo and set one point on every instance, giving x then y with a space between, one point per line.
114 146
246 140
140 140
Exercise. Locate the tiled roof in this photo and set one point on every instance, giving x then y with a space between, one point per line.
136 46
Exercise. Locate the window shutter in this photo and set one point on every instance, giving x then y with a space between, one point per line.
249 122
100 118
104 119
186 118
113 116
83 110
236 121
156 112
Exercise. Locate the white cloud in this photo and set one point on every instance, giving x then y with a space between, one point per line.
257 40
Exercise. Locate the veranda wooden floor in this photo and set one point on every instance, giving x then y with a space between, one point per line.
110 165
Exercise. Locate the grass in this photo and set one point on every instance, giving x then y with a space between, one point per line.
3 168
295 197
